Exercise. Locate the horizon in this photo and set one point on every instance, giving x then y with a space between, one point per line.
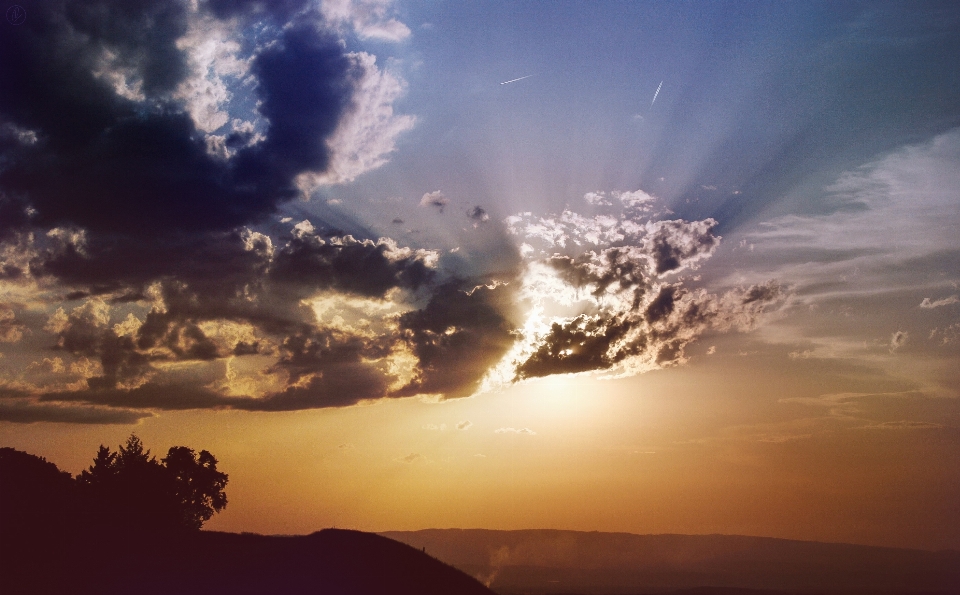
649 268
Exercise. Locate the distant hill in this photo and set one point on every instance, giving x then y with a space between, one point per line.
329 562
538 562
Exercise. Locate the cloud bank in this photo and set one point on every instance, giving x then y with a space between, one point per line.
145 150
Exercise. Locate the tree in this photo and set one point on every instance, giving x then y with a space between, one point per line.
129 489
34 494
198 485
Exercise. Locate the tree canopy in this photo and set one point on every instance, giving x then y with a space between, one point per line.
131 487
126 489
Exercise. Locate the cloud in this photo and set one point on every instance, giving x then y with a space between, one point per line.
337 320
636 201
26 412
368 18
897 340
434 199
112 164
10 330
947 334
143 150
464 425
456 338
523 431
368 129
903 425
413 457
478 215
929 305
613 270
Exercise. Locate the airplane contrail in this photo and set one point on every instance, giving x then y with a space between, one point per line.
515 80
655 94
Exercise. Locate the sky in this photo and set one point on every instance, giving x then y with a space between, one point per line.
653 267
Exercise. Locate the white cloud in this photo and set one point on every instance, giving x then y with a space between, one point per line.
368 132
464 425
370 19
211 47
434 199
897 340
929 305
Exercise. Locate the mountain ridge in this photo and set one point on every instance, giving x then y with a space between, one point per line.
541 561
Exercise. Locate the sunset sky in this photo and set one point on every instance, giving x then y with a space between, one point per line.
653 267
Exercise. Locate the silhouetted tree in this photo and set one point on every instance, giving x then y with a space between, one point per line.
34 494
198 485
129 489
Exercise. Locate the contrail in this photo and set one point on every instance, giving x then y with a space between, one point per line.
655 94
515 80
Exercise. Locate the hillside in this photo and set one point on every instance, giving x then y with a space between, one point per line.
331 561
594 563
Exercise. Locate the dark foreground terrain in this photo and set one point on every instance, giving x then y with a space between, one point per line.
541 562
328 562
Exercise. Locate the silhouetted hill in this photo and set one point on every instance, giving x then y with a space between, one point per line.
329 562
57 537
572 562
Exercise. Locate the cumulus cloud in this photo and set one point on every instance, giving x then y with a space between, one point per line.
10 330
464 425
143 151
929 305
133 112
434 199
368 18
368 129
604 299
123 165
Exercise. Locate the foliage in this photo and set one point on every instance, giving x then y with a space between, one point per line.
34 493
132 490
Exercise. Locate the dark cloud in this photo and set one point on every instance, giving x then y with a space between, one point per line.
151 395
634 319
457 337
346 264
478 215
26 412
110 193
655 333
337 385
85 332
118 166
675 244
278 9
586 343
